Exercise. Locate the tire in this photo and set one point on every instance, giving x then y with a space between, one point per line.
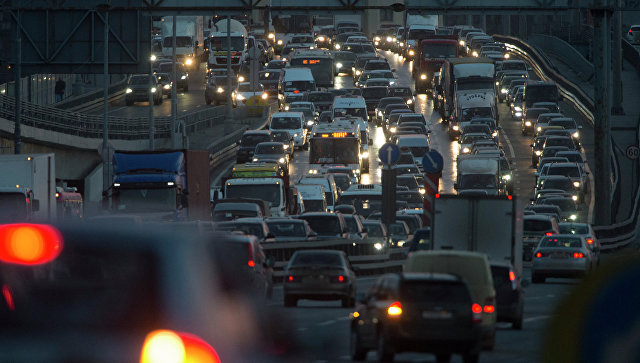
385 354
517 324
470 357
128 102
537 279
357 352
443 358
290 301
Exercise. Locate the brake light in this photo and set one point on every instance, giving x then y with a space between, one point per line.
549 234
29 244
251 263
578 255
338 278
395 309
512 276
476 308
292 278
509 197
8 297
589 241
167 346
437 195
538 255
489 309
296 91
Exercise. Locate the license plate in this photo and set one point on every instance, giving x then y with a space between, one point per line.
558 255
436 314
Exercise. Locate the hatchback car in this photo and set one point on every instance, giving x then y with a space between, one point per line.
319 275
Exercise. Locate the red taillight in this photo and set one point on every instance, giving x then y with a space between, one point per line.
292 278
437 195
339 278
169 346
589 241
538 255
509 197
251 263
578 255
476 308
29 244
395 309
8 297
512 276
549 234
296 91
489 309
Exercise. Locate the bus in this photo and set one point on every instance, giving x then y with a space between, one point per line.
320 62
335 144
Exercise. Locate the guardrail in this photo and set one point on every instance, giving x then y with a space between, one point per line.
120 128
613 236
92 97
631 54
565 52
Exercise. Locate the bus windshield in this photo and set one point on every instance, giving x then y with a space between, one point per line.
220 43
334 151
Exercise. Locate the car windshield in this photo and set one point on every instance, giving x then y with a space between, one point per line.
342 56
342 181
220 43
376 65
412 118
565 204
314 205
564 184
305 39
400 92
561 242
324 225
567 124
406 170
407 181
287 229
287 123
570 171
281 136
181 41
270 149
271 76
431 50
139 80
316 258
470 113
397 229
247 88
253 140
374 230
299 85
469 139
254 229
536 225
374 93
267 192
573 228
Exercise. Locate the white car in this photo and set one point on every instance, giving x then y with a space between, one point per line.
292 122
243 93
561 255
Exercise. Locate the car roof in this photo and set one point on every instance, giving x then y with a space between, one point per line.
540 217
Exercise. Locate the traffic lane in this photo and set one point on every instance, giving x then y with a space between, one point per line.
187 101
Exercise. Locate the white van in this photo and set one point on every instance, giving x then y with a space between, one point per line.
295 81
349 105
292 122
418 145
313 197
329 184
474 268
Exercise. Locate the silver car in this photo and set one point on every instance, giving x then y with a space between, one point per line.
585 230
561 255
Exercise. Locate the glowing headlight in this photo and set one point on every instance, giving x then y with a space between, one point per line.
409 101
517 108
183 77
573 217
474 53
538 152
167 86
279 42
281 160
313 171
421 191
507 55
129 90
411 52
401 44
574 198
153 90
497 83
504 90
358 72
494 134
264 96
462 43
400 243
321 39
240 78
153 57
391 83
365 155
189 61
239 97
465 150
377 39
220 90
337 46
377 246
309 123
286 108
338 65
576 184
255 160
423 77
527 123
389 39
393 129
518 114
285 146
575 134
506 177
271 36
455 128
539 129
380 113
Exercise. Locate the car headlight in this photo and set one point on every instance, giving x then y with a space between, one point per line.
494 134
401 44
167 86
518 114
575 134
129 90
574 198
358 72
400 243
539 129
321 39
376 39
573 217
507 55
255 160
527 123
183 77
240 78
392 83
474 53
517 108
393 129
506 177
576 184
264 96
285 146
411 52
220 90
497 83
504 90
409 101
423 77
286 108
279 42
153 90
281 160
313 171
465 150
455 127
377 246
295 135
153 58
538 152
421 191
309 123
380 113
365 155
337 46
271 36
389 39
338 65
239 97
462 43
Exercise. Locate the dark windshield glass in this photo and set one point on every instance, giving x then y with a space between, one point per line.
287 123
435 292
431 50
564 184
324 225
287 229
574 229
540 93
533 225
329 259
253 140
314 205
374 93
562 242
270 149
478 181
320 97
220 43
570 171
181 41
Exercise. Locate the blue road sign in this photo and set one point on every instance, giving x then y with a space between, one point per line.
432 162
389 154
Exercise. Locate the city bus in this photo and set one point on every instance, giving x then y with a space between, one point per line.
320 62
335 144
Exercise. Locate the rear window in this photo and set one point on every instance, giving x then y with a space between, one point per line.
562 242
305 259
253 140
324 224
532 225
567 124
436 292
287 229
574 229
500 275
570 171
247 228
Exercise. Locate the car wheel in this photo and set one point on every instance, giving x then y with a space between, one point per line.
357 352
443 358
385 354
290 301
537 279
128 102
207 101
517 324
470 357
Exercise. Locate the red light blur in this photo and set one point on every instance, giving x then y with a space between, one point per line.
476 308
29 244
8 297
290 278
437 195
296 91
251 263
28 200
509 197
489 309
589 241
578 255
341 278
538 255
549 234
512 276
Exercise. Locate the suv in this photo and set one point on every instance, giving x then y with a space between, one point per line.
248 144
138 90
423 312
326 224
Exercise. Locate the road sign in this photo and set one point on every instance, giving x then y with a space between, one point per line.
633 152
432 162
389 154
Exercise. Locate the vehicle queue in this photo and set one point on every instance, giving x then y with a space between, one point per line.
263 200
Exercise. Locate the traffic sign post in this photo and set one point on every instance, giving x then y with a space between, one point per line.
389 154
633 152
432 163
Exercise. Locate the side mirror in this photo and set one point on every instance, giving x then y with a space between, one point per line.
35 205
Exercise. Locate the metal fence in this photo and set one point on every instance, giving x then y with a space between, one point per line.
565 52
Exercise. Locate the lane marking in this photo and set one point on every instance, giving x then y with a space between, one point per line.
302 329
325 323
536 318
506 138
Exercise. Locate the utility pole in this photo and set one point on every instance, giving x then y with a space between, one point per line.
229 84
602 130
616 106
174 92
152 58
17 135
106 182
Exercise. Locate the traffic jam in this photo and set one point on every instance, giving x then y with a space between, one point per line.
302 219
